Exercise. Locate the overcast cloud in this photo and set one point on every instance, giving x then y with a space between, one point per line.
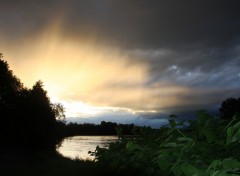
190 47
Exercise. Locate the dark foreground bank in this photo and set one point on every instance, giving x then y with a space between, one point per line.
23 163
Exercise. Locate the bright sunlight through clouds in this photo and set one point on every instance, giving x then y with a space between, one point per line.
84 77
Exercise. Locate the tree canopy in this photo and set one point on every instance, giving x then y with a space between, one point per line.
27 117
230 108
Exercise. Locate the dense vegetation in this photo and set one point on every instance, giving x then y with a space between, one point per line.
230 108
206 146
27 117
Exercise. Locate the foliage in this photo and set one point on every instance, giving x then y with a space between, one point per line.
59 111
230 108
27 117
207 146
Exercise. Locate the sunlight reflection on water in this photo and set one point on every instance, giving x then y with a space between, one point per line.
78 146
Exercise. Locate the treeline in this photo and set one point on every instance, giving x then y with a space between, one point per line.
105 128
27 117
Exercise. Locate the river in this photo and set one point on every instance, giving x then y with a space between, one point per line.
78 146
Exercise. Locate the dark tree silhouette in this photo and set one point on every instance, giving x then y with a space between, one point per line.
27 117
105 128
10 90
59 112
230 108
10 84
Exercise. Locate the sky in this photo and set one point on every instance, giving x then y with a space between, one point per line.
125 61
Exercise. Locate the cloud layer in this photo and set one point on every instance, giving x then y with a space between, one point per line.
145 55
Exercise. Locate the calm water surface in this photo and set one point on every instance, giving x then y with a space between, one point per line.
78 146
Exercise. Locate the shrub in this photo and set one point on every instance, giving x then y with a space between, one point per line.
209 146
230 108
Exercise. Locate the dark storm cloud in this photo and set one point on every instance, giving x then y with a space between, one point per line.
197 36
154 24
134 24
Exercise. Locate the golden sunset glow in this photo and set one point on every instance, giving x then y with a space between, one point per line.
88 75
88 78
80 71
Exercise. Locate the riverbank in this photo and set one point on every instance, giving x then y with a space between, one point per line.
22 163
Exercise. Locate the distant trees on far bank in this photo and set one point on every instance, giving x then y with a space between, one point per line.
105 128
27 117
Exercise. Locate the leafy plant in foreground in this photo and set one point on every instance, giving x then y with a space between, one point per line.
208 146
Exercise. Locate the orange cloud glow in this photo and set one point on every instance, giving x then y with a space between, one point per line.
83 74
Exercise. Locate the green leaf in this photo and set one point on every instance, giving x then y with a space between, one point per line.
184 139
163 164
131 146
230 132
172 123
170 145
234 139
230 163
177 171
216 173
236 126
202 117
230 124
214 165
209 134
179 131
189 169
220 142
233 135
